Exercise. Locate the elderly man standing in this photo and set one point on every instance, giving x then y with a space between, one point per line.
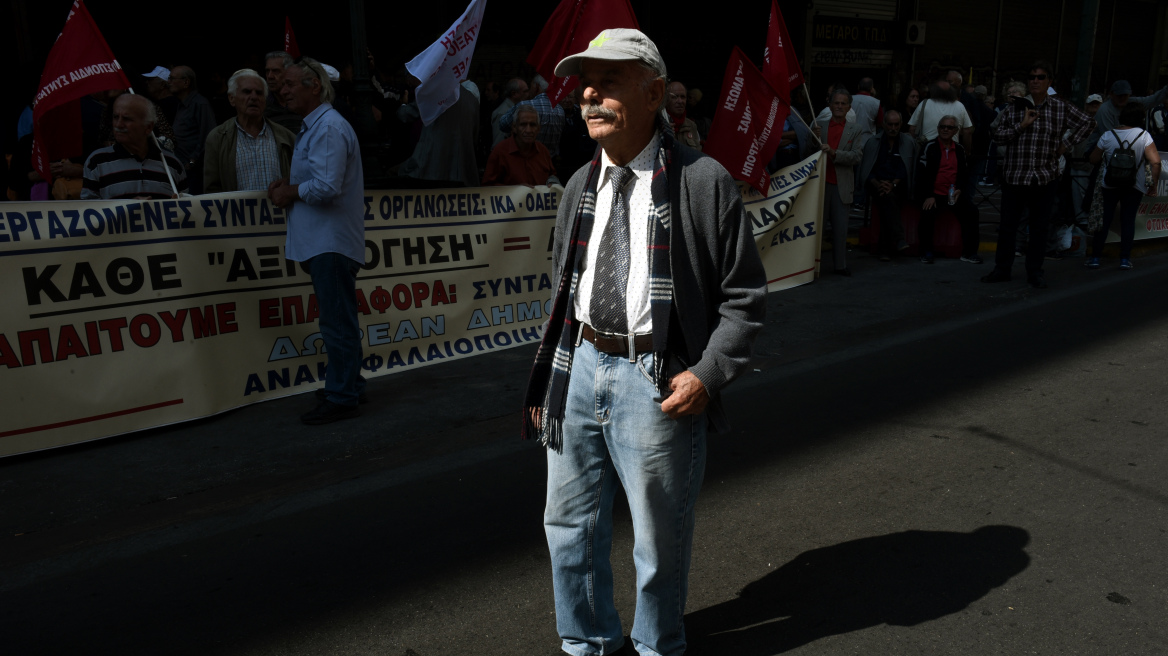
133 166
193 121
660 295
521 159
248 152
842 146
274 64
887 170
325 199
685 128
1035 138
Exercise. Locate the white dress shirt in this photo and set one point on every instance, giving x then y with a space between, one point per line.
640 197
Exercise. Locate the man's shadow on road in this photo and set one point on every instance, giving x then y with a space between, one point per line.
902 579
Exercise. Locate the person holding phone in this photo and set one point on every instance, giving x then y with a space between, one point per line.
1034 137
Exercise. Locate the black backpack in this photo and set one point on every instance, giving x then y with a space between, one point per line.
1124 165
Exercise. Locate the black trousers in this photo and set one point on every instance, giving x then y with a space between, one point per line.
1038 199
967 216
891 225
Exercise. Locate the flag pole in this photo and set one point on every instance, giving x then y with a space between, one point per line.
807 92
161 153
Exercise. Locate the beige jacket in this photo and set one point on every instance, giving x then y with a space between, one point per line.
847 157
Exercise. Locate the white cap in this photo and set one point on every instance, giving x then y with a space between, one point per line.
617 44
1094 98
333 74
158 72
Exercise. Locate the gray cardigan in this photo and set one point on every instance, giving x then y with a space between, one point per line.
719 284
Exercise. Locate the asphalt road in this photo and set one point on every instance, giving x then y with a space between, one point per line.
920 464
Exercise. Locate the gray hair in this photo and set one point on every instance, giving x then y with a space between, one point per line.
313 70
512 86
233 81
281 55
525 109
956 72
151 113
651 76
841 91
539 83
948 116
1012 86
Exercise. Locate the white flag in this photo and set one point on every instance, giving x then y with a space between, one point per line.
445 63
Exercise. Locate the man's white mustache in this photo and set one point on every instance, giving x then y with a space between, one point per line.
588 111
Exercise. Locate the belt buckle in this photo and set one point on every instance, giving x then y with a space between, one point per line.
629 340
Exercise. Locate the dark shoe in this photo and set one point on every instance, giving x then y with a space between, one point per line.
996 275
843 272
322 394
1092 263
972 259
1053 255
886 258
927 258
1036 280
328 412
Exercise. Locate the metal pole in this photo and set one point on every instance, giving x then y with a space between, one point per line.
1086 50
1110 41
1058 49
998 42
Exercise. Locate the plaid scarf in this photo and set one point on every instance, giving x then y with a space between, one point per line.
547 389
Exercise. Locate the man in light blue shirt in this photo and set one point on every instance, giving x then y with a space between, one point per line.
325 199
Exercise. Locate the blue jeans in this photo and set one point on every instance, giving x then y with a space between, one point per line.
334 280
1129 204
616 434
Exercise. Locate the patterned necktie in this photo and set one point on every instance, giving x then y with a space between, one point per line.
608 307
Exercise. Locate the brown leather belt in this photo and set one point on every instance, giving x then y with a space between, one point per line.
618 344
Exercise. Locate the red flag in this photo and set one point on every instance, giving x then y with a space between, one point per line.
779 60
748 123
80 63
572 25
290 46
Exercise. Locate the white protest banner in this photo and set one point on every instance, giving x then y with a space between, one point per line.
124 315
786 223
443 65
1152 217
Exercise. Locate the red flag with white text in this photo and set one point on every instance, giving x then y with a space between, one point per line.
748 123
290 45
80 63
572 25
779 61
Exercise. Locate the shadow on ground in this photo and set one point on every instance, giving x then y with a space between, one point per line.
902 579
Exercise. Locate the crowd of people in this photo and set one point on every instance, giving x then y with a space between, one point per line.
932 147
1057 165
486 138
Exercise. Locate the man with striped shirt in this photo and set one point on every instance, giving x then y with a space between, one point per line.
133 166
